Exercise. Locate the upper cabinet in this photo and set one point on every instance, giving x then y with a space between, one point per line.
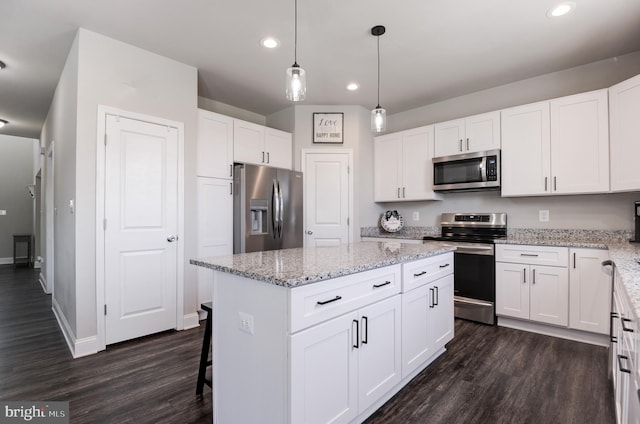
471 134
624 104
556 147
260 145
215 145
402 166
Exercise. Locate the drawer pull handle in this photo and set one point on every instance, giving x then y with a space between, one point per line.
530 255
624 327
377 286
620 358
419 274
444 266
324 302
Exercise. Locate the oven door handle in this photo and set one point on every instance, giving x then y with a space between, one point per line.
475 250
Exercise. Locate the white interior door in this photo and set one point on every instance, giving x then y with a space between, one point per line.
327 189
141 192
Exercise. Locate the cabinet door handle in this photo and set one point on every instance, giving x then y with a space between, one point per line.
444 266
404 189
377 286
398 192
262 157
435 303
545 183
614 315
357 334
268 157
624 327
620 358
467 144
524 275
231 188
431 298
419 274
365 329
533 280
231 170
574 260
324 302
555 184
460 145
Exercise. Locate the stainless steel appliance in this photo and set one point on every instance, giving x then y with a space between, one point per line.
467 172
474 282
636 238
267 208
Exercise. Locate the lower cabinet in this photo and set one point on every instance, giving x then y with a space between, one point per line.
341 367
427 322
589 291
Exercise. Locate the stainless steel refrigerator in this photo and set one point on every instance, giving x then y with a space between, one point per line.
267 208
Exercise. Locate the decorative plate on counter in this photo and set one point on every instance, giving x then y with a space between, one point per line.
391 221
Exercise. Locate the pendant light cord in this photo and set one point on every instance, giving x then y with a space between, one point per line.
295 35
378 37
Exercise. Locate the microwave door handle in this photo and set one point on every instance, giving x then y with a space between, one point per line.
483 169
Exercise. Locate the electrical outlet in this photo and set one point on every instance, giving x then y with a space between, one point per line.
416 216
3 212
543 215
245 322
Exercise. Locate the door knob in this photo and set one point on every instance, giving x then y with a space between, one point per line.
171 239
309 232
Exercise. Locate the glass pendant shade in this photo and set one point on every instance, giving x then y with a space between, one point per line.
378 119
296 83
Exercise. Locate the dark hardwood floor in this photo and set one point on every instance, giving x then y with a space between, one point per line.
488 375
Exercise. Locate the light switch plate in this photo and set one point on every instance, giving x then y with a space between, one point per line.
3 212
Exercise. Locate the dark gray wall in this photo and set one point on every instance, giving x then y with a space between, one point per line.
16 172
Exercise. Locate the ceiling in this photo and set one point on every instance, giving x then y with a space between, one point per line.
433 50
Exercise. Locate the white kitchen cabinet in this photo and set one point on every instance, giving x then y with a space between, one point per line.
580 143
528 289
556 147
402 166
260 145
589 291
342 366
427 310
624 103
214 145
215 227
526 149
475 133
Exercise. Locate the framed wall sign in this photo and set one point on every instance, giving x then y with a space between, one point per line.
328 127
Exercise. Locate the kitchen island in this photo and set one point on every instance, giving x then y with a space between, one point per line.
325 334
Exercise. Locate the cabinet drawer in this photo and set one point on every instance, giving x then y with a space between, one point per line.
532 255
423 271
317 302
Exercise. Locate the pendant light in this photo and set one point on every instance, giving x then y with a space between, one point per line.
296 81
378 115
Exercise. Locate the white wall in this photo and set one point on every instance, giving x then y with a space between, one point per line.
103 71
228 110
607 211
16 172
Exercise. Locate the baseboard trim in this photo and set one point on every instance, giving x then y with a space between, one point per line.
43 282
77 347
550 330
6 261
191 321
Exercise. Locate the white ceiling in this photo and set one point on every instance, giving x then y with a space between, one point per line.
433 49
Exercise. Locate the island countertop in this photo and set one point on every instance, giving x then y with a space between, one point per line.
304 265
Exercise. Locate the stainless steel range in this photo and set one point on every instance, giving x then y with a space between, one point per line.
474 237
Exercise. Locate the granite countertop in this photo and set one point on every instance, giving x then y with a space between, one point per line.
296 267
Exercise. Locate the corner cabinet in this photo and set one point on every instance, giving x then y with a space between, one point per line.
559 146
471 134
624 103
260 145
403 170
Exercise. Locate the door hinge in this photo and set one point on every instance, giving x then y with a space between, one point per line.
104 224
105 309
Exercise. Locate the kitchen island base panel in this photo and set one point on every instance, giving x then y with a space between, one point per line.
550 330
251 354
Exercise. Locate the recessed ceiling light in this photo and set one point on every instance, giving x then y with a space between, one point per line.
352 86
269 43
561 9
3 123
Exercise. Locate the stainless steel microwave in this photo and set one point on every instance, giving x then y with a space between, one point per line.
467 172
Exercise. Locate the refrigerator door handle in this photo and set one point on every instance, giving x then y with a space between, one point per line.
281 208
275 208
